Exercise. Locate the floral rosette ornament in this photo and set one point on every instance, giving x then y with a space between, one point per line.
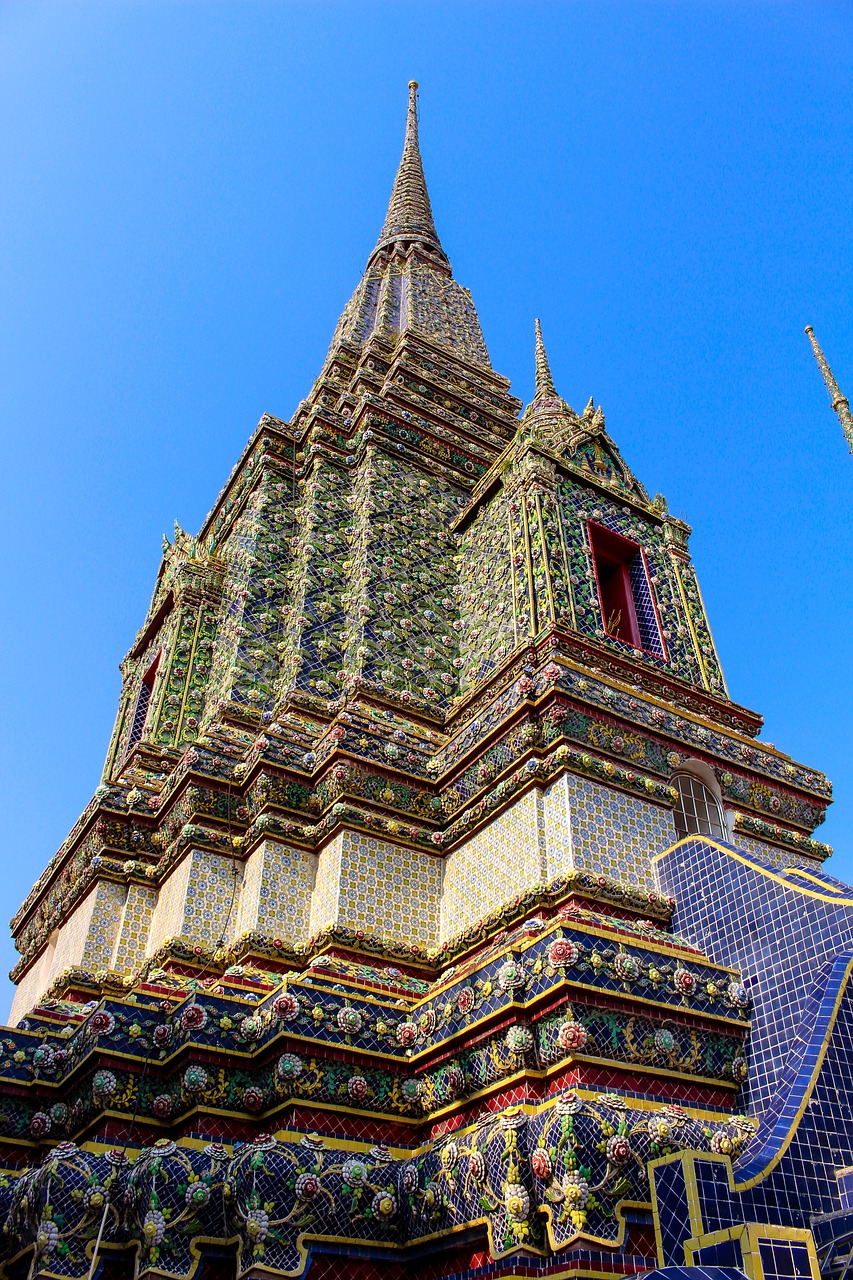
571 1035
197 1195
626 967
357 1088
617 1150
195 1079
570 1103
162 1035
40 1125
516 1202
43 1057
307 1186
289 1066
737 995
384 1206
449 1156
721 1143
519 1040
101 1023
453 1082
251 1029
660 1129
511 976
47 1238
411 1179
614 1101
407 1033
252 1098
285 1007
426 1021
465 1000
563 953
575 1189
411 1089
541 1164
684 981
664 1040
349 1020
740 1070
104 1083
257 1226
354 1173
194 1018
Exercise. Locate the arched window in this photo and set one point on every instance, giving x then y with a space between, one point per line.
140 711
697 812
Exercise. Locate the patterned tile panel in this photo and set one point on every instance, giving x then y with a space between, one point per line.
199 900
506 856
558 827
324 900
774 855
167 919
134 928
615 833
213 894
276 894
389 889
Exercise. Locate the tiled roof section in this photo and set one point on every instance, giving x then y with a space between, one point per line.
409 216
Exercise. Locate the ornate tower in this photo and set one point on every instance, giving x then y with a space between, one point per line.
422 751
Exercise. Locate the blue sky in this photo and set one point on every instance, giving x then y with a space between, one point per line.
190 192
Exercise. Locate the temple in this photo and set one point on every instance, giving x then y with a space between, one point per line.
438 913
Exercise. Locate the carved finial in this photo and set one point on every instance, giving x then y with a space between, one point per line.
840 403
544 381
590 408
409 216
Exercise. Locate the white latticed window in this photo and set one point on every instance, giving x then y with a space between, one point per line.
697 812
140 711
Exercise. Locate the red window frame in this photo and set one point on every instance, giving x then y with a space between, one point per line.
613 551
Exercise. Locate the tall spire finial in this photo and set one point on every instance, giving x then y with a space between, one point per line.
544 381
409 216
840 403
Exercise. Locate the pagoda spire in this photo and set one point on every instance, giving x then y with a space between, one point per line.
840 403
409 217
544 381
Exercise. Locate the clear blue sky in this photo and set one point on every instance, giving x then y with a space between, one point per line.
191 190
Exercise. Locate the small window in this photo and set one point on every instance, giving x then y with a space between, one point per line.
143 702
625 593
696 810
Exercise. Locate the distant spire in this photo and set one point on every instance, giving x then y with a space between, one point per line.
409 216
544 381
840 403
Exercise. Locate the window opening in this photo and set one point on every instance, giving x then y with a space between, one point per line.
697 812
625 593
143 702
